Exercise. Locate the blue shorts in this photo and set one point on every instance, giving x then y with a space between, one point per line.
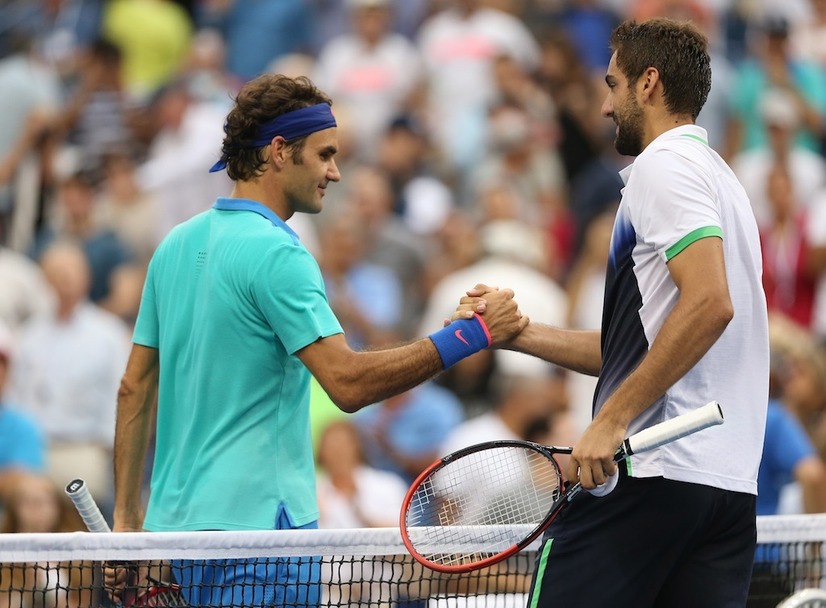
274 581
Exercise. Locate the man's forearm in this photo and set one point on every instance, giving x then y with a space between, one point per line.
577 350
132 432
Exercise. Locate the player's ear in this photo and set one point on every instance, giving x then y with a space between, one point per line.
279 151
648 82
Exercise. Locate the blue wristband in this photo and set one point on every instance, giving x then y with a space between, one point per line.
461 339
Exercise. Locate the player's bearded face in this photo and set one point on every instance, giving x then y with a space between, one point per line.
629 119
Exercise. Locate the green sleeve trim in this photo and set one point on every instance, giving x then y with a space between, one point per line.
540 572
691 237
700 139
628 467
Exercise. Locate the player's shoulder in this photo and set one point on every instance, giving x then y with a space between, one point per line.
685 141
674 151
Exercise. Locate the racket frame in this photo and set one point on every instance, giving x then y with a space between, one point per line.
653 437
547 451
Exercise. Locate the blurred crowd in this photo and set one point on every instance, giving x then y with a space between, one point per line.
472 150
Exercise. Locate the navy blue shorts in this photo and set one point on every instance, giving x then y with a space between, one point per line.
651 543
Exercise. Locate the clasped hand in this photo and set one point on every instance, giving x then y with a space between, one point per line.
499 310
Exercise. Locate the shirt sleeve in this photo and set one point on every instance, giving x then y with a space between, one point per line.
676 205
291 295
146 332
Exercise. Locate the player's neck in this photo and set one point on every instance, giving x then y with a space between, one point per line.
257 190
658 125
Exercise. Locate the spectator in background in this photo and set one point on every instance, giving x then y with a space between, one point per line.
788 277
789 458
34 504
98 117
35 131
57 27
32 138
455 246
187 138
366 297
585 288
520 88
126 208
76 218
404 434
780 115
574 93
388 241
25 293
527 407
773 67
587 21
514 159
816 236
331 17
792 475
352 494
206 72
406 156
532 178
132 215
23 116
804 378
460 45
258 33
154 37
22 445
67 372
596 188
372 73
808 36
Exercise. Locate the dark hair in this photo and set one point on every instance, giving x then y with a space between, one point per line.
259 101
106 51
678 50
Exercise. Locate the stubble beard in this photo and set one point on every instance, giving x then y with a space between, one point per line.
629 135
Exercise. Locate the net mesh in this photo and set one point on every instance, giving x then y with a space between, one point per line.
324 567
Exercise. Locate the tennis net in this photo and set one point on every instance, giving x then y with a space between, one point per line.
364 567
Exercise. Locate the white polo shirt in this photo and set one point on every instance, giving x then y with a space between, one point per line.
678 191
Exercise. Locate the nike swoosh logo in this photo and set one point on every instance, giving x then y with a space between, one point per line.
458 334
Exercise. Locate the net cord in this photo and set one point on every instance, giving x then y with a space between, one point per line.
21 548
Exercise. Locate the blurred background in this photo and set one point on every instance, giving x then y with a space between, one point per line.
471 149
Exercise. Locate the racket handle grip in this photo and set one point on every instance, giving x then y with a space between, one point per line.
78 492
710 414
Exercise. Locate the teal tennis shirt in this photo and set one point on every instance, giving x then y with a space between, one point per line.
230 296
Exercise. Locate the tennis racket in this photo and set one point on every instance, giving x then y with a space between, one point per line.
141 590
484 503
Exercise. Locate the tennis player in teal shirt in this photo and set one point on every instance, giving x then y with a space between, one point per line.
233 321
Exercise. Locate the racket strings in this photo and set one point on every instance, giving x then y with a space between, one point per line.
482 504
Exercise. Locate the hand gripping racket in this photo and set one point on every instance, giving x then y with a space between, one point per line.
481 504
150 591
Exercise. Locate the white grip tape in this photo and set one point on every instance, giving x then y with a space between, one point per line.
710 414
86 506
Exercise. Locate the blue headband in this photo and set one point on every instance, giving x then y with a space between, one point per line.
290 126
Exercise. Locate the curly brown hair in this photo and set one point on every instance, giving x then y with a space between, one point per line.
677 49
259 101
